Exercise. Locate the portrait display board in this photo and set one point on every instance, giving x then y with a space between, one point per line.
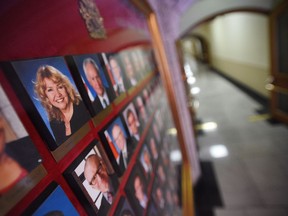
112 154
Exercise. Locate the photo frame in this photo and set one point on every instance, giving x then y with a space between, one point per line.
136 190
17 153
131 74
83 176
52 201
123 208
115 68
158 195
145 160
142 113
118 144
134 127
147 100
137 62
153 146
49 95
94 79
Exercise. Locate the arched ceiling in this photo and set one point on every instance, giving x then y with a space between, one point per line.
202 10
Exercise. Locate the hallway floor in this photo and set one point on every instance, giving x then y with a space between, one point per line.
248 154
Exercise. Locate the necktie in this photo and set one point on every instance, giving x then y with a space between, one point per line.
105 102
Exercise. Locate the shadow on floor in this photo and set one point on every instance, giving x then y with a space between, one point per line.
206 193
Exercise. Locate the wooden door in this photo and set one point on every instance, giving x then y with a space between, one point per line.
279 69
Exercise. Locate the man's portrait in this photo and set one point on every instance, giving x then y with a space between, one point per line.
96 81
137 63
51 88
129 68
118 76
96 179
141 110
153 147
146 100
146 161
123 146
132 122
136 189
140 193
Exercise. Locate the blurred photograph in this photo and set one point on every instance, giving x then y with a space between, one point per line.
118 78
129 68
146 161
132 122
20 162
136 188
141 110
120 143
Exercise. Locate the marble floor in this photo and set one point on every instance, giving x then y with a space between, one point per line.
249 154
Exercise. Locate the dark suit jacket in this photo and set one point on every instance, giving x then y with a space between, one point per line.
104 207
79 118
131 145
97 106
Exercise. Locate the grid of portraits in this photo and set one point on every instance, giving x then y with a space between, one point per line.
103 120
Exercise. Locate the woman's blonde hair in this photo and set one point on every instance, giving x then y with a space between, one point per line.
50 72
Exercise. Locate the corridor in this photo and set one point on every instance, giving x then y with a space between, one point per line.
246 151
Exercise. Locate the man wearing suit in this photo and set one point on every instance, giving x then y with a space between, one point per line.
133 125
96 174
125 146
104 95
120 85
140 195
129 70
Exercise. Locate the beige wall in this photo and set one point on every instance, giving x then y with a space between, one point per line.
239 47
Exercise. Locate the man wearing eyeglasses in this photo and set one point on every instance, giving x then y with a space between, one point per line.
96 174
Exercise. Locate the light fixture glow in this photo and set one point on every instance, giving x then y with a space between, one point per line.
209 126
218 151
188 70
195 90
172 131
191 80
175 156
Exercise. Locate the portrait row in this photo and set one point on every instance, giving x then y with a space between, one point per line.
62 94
